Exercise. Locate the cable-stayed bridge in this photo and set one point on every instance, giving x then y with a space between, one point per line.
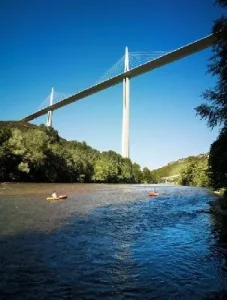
132 64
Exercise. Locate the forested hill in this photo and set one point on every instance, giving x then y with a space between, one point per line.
179 167
37 153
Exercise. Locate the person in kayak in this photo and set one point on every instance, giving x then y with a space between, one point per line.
54 195
153 193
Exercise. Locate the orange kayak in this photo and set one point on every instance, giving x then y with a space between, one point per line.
153 194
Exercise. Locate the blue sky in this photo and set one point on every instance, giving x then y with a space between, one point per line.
70 44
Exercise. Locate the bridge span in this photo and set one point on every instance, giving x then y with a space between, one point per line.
124 77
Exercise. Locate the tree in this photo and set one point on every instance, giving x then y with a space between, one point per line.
222 3
147 177
106 167
195 172
30 146
216 111
5 134
126 170
137 173
218 161
37 153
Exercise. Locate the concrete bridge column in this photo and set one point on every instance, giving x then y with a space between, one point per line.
126 102
50 113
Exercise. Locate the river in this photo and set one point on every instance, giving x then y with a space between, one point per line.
110 242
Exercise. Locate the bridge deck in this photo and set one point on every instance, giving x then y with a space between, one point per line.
151 65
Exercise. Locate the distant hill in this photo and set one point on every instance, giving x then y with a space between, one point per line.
172 171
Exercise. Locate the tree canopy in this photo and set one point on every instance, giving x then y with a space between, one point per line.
214 110
218 161
38 153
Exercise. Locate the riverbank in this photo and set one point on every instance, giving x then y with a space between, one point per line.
219 206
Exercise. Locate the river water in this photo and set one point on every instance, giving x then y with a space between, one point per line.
110 242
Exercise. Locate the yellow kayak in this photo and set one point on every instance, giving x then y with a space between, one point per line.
57 198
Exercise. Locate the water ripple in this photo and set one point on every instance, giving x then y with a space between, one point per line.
111 242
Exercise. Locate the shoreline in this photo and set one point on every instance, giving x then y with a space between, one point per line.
219 205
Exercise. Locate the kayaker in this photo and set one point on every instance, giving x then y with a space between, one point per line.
153 193
54 195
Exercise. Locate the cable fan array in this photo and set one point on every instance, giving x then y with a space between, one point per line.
135 59
57 97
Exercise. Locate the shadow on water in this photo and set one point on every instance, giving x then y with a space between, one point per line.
135 250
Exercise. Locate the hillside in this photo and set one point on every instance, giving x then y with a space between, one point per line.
37 153
17 124
174 169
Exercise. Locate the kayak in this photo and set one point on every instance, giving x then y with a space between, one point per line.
152 194
57 198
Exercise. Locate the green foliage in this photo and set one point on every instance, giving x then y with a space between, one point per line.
195 173
218 161
38 153
30 145
126 170
215 108
52 134
105 170
23 167
137 173
147 176
177 168
111 167
222 3
216 111
5 134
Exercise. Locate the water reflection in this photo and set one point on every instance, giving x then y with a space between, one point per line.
218 250
112 242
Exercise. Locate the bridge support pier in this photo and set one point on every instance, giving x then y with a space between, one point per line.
126 102
50 113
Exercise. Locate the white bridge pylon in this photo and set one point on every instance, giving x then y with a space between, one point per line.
50 113
126 103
